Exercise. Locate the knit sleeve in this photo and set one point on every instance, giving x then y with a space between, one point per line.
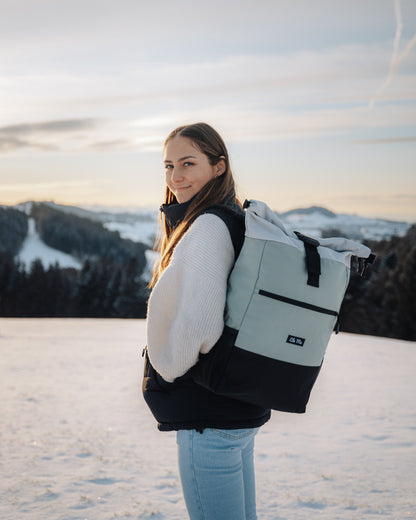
186 307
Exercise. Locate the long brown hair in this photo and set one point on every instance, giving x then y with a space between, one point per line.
216 191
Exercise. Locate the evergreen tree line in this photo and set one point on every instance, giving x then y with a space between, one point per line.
13 230
101 289
84 238
108 285
384 303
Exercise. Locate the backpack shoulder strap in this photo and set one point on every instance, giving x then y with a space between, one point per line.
234 219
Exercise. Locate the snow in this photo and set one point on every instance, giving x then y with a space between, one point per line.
352 226
141 225
78 442
138 231
34 248
151 258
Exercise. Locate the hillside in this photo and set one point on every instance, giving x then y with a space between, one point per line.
140 225
98 267
61 264
34 248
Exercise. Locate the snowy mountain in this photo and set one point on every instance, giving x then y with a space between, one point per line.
319 221
141 225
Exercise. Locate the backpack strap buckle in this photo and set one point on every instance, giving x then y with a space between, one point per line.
360 265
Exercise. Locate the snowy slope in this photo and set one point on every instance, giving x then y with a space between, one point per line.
315 220
34 248
139 226
78 441
137 230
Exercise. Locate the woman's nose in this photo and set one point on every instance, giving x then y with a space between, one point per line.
176 174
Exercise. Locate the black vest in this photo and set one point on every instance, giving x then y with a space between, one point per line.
183 404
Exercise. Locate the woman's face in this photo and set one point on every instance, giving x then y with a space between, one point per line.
187 168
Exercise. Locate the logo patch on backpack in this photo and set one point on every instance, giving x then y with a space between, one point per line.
294 340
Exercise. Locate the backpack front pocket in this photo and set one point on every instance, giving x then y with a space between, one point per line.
285 329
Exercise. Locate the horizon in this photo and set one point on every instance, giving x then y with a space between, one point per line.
150 208
315 102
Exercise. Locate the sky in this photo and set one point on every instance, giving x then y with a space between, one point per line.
316 100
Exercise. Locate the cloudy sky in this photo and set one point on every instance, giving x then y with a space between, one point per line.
316 99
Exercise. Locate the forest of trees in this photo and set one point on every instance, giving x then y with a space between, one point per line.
110 282
13 230
84 238
384 303
108 285
101 289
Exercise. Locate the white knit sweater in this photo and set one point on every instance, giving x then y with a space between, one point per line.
186 307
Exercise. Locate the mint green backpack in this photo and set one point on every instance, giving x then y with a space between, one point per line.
284 296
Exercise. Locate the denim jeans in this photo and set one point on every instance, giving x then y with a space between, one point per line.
217 473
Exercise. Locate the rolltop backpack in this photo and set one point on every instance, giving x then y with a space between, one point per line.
283 300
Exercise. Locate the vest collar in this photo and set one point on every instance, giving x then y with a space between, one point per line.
175 212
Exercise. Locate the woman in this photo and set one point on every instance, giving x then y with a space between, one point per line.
215 434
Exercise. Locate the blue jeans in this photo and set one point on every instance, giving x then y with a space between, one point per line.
217 473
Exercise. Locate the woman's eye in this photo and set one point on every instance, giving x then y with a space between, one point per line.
187 163
168 166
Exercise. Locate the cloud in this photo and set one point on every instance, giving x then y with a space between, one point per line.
251 96
239 123
49 127
10 143
41 136
112 144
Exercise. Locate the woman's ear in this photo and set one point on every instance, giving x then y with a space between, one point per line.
220 167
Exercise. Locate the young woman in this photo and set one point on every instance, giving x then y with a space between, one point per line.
215 434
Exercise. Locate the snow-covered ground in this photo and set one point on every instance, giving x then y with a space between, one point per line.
139 231
78 443
34 248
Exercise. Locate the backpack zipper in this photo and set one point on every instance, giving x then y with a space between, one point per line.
304 305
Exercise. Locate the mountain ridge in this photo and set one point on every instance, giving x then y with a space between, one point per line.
140 224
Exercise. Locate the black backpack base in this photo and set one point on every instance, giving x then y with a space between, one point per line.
239 374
